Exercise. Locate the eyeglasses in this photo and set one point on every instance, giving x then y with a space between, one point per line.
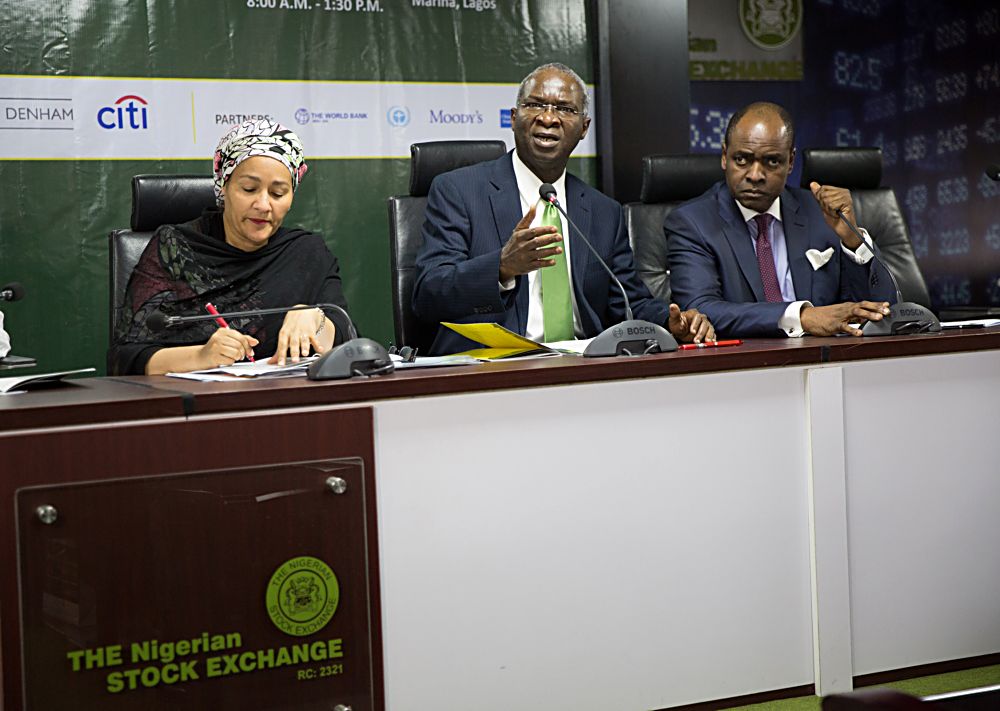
534 107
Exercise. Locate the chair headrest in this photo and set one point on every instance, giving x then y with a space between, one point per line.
675 178
428 160
169 199
852 168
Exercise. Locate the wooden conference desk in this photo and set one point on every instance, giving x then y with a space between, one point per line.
581 534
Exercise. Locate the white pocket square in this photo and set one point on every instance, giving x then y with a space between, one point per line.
817 258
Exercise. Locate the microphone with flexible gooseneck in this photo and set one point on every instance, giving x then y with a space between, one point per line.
355 356
157 321
904 316
631 336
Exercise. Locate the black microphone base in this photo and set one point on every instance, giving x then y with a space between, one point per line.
631 338
358 356
904 318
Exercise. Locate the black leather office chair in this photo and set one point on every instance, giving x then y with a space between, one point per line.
156 200
876 209
667 181
406 217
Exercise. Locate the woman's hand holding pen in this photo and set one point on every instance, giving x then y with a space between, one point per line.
226 347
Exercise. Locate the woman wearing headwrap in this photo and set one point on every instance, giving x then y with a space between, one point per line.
237 258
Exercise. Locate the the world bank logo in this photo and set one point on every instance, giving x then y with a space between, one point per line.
771 24
302 116
398 116
302 596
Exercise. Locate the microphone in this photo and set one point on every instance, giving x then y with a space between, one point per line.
12 292
993 171
904 316
157 321
631 336
355 356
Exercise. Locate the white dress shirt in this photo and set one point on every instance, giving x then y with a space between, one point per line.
791 321
527 187
4 339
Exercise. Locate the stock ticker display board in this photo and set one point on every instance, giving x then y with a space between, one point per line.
921 80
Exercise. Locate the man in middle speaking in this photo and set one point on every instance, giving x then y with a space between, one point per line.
493 251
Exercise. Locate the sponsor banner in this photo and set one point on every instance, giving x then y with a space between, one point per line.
745 40
164 119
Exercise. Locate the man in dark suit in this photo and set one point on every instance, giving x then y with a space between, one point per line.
763 259
490 253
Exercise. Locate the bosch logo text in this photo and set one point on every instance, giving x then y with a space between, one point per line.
128 112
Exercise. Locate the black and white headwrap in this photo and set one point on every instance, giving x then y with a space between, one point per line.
261 137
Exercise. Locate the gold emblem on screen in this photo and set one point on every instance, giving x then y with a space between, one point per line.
770 24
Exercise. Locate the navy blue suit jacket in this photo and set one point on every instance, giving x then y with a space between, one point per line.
471 213
713 266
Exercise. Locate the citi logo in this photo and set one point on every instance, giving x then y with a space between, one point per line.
128 112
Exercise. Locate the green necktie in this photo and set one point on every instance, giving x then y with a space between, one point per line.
557 305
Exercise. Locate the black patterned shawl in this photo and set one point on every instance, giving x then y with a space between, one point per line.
186 266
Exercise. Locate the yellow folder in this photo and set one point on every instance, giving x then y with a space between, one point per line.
498 341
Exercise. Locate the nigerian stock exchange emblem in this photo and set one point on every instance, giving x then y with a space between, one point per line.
302 596
770 24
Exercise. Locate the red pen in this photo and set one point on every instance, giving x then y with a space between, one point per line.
222 322
709 344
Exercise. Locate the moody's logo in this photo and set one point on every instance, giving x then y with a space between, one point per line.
398 116
128 112
504 118
466 117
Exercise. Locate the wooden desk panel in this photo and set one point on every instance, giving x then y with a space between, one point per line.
117 442
133 455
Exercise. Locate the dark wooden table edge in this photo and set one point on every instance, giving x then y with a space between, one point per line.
214 398
69 404
134 398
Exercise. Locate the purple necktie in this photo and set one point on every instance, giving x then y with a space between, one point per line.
765 260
